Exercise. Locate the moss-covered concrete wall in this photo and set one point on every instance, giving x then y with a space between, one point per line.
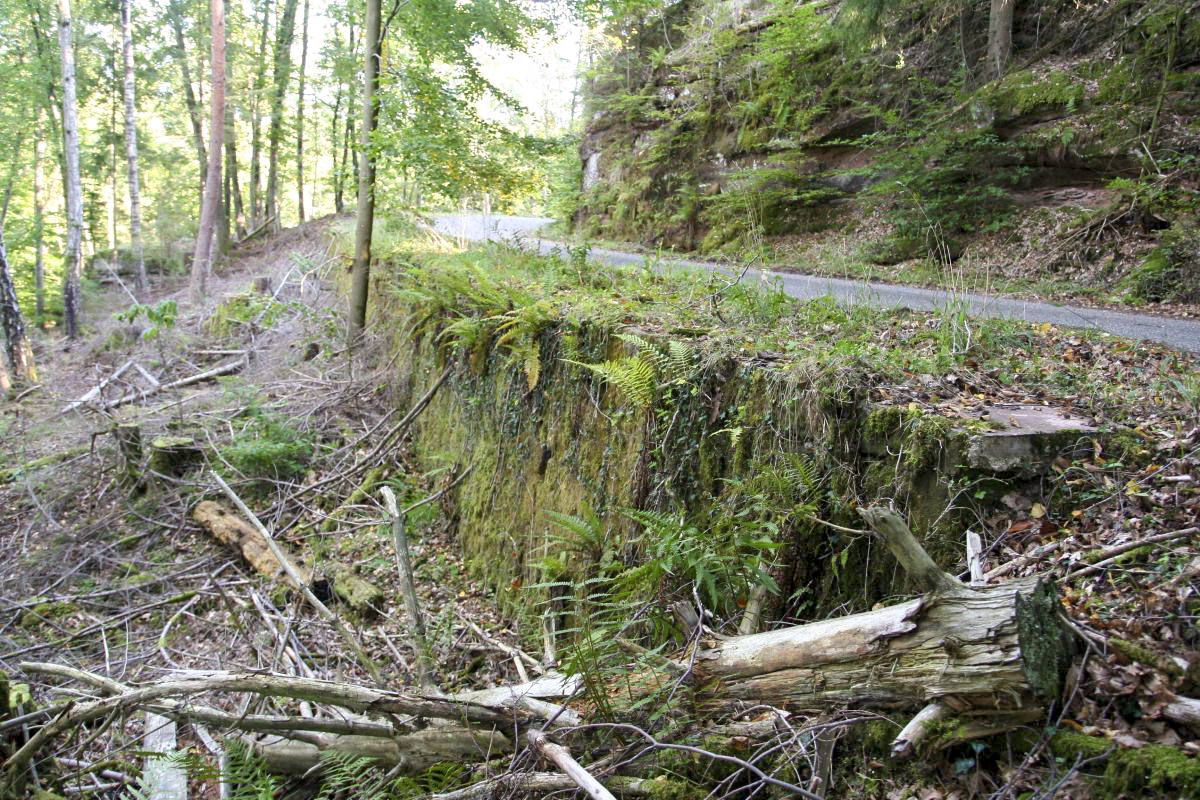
573 442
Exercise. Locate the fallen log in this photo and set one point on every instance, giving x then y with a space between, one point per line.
412 753
229 528
975 650
207 375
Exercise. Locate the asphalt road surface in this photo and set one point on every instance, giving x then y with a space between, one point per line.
1178 333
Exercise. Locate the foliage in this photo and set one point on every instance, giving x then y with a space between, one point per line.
654 366
943 185
244 309
348 775
267 447
160 316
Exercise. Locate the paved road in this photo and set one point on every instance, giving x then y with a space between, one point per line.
1177 333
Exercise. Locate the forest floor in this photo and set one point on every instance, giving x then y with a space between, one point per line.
119 580
113 576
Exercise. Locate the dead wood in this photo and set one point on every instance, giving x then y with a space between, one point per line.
974 649
299 582
360 595
233 531
200 377
562 758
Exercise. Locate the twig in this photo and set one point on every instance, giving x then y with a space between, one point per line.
1106 557
322 610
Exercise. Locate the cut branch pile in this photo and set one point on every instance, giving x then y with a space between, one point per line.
992 656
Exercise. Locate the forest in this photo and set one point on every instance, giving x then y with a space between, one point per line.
695 400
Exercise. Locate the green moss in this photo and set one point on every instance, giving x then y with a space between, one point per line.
1027 92
1149 771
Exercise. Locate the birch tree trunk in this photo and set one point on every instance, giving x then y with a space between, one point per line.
73 256
131 150
284 34
202 259
175 15
361 272
1000 25
18 351
300 117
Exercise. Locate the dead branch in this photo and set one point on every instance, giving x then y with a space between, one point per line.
408 591
298 581
561 757
200 377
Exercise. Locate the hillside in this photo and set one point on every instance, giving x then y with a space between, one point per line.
872 138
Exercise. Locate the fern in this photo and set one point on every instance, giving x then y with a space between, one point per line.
634 377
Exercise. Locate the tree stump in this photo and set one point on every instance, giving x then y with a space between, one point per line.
174 456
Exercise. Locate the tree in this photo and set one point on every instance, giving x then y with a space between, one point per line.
300 117
283 68
1000 25
39 225
260 77
17 349
175 16
131 150
202 258
73 256
365 221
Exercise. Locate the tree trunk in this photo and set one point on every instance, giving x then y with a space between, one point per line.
73 257
284 34
39 227
202 259
300 117
260 78
234 192
175 15
335 134
1000 25
131 150
365 222
18 351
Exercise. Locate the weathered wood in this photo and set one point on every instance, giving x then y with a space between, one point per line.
413 752
229 528
226 526
561 758
917 729
162 779
985 648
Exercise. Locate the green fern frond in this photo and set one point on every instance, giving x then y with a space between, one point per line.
634 378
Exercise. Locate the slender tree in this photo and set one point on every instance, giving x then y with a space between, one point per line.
73 257
300 116
17 349
361 271
284 33
202 258
260 78
175 14
39 225
131 149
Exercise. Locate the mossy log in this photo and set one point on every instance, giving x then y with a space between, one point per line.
338 580
230 529
412 752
